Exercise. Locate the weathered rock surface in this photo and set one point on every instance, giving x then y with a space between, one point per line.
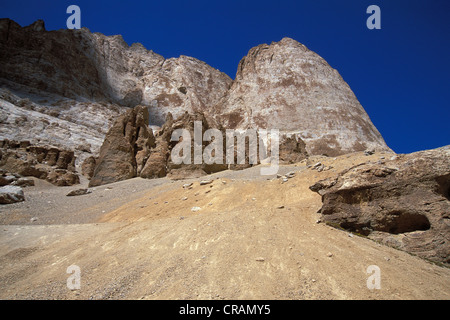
88 167
61 177
192 170
78 63
286 86
24 182
54 120
126 148
156 165
292 149
40 161
78 192
67 87
403 202
139 153
11 194
131 150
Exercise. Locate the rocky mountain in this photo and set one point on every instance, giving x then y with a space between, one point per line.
67 87
73 102
81 65
73 84
287 86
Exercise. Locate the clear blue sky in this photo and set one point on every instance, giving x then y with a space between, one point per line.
400 74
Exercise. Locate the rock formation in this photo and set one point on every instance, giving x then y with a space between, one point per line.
88 167
292 149
288 87
130 149
187 121
404 202
54 120
125 149
55 81
11 194
40 161
80 64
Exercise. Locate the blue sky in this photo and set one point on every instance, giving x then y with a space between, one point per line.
400 74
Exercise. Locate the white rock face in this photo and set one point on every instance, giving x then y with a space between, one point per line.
134 75
286 86
74 125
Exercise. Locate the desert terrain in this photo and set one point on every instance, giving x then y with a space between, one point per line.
251 237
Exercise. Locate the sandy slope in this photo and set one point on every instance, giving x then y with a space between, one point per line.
148 244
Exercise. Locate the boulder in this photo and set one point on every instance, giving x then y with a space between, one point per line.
404 202
61 177
78 192
4 181
24 182
11 194
7 179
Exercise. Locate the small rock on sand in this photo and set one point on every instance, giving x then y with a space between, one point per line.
78 192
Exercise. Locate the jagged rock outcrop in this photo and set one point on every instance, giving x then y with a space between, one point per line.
160 163
292 149
288 87
187 122
404 202
41 161
125 149
130 149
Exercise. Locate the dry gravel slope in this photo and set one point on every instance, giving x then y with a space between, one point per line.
240 245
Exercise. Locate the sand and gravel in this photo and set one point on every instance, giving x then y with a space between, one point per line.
254 237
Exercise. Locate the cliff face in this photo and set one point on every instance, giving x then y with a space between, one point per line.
286 86
67 87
